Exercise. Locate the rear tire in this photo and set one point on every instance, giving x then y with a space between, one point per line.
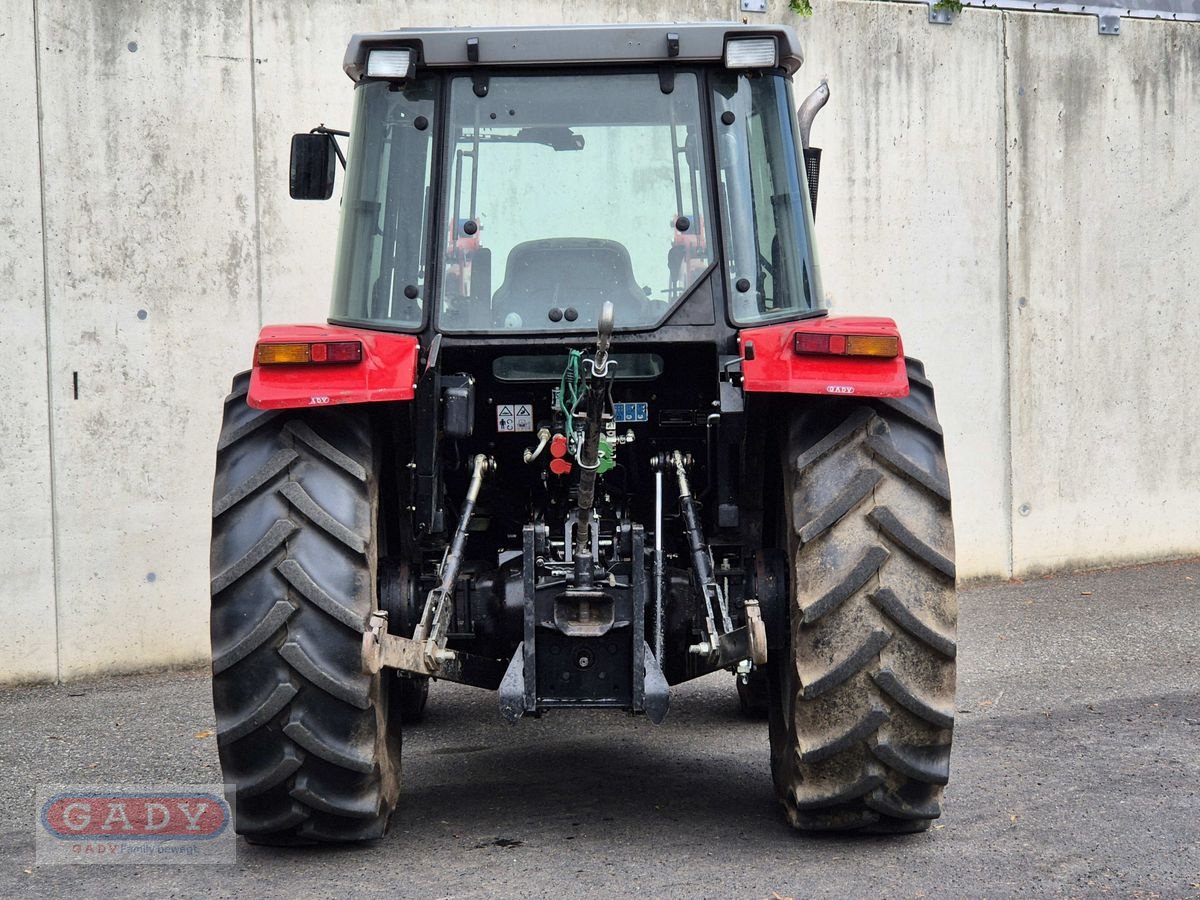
303 732
862 706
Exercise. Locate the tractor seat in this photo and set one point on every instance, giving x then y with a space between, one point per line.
562 273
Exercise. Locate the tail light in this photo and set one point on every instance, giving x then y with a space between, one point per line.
305 353
878 345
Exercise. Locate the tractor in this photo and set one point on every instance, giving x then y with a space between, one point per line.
579 428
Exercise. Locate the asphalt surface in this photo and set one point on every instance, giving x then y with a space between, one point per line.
1075 773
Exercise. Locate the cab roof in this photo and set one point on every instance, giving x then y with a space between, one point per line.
570 45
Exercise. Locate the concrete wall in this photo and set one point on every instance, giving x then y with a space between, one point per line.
149 193
1017 191
1104 274
28 639
912 225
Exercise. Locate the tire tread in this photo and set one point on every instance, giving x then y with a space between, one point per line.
862 707
304 733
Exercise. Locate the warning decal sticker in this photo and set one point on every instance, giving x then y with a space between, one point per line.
514 417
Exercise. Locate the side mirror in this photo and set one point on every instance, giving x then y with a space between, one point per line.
312 167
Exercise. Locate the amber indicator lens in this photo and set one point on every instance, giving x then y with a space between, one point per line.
885 345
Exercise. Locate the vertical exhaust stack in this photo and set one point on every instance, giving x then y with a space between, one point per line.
808 110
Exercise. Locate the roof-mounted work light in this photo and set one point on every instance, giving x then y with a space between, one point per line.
389 64
751 53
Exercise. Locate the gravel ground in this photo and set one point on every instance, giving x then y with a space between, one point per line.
1075 771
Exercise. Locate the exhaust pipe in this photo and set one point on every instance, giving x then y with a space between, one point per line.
808 110
812 105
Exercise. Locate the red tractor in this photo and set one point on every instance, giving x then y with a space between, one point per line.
579 428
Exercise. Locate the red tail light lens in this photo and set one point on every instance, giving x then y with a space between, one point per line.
812 343
339 352
304 353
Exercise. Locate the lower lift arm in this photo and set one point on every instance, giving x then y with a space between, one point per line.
426 653
723 645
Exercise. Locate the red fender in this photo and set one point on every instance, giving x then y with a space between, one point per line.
770 363
387 370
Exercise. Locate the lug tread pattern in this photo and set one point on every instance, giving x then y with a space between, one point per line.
274 821
273 773
841 672
340 830
862 718
303 732
317 793
276 464
258 714
891 685
244 645
930 765
916 373
356 759
806 802
248 428
857 733
324 520
911 408
889 523
846 586
922 806
834 440
892 606
851 496
885 451
300 581
266 545
846 818
242 420
304 432
354 691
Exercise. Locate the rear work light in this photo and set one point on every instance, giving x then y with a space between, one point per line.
389 63
879 345
305 353
751 53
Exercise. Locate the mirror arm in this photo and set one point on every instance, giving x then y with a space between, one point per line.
333 134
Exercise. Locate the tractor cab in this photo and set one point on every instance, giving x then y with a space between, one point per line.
496 184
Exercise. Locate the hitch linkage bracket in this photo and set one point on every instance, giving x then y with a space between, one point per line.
426 653
533 681
724 646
